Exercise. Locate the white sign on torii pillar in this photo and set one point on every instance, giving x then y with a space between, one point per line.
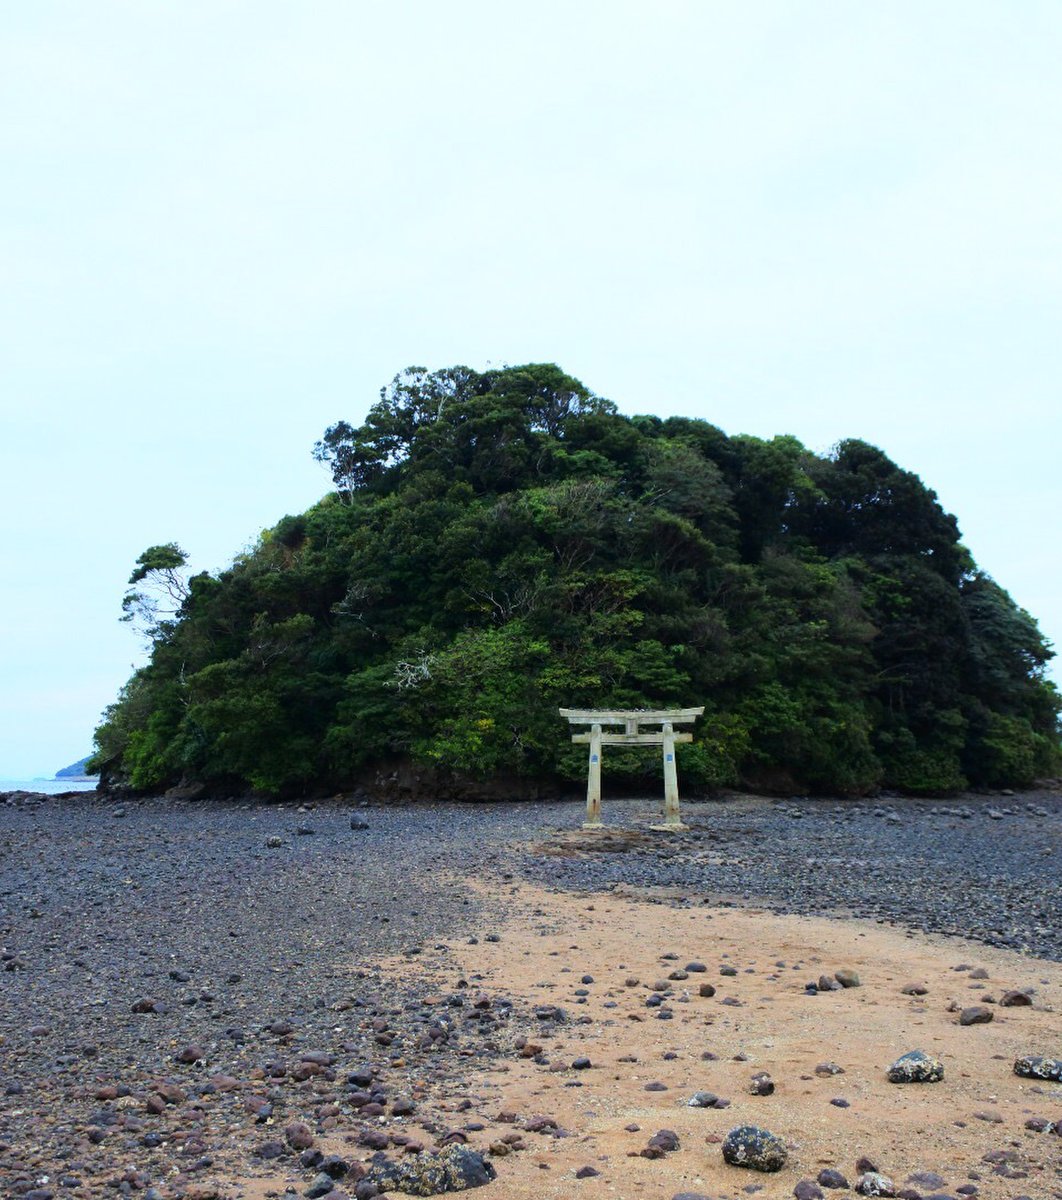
631 719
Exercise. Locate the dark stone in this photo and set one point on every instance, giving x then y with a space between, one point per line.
299 1135
664 1140
976 1014
586 1173
929 1179
1015 999
874 1184
829 1178
754 1148
916 1067
453 1169
1035 1066
806 1189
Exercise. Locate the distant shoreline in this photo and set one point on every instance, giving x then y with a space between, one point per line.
50 787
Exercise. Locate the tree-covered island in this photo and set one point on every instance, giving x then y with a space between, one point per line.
503 543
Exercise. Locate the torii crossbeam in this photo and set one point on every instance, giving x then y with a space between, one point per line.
632 735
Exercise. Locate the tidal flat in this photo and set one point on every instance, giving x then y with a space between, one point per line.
214 999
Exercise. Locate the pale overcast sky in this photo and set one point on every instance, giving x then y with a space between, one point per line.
225 225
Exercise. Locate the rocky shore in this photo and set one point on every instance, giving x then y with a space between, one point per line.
208 1000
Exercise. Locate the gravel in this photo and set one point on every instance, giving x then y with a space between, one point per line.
934 867
183 984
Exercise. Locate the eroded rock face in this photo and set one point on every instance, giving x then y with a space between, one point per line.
454 1169
1036 1066
916 1067
755 1148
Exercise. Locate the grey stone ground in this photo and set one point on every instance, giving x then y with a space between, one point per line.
183 904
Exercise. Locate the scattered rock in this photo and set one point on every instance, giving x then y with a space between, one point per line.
453 1169
916 1067
321 1186
761 1084
1036 1066
1015 999
664 1141
806 1189
299 1135
847 978
754 1148
928 1179
976 1014
830 1178
874 1184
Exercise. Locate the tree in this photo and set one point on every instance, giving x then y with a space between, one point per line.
160 572
503 542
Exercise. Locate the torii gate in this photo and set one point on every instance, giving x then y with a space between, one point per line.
631 718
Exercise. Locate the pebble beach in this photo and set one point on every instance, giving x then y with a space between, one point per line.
221 1000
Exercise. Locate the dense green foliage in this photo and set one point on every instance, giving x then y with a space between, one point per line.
501 544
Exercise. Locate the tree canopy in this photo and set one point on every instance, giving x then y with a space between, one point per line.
502 543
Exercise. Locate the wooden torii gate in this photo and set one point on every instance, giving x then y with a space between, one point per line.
631 719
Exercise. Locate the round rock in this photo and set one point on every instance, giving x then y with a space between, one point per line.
976 1014
754 1148
916 1067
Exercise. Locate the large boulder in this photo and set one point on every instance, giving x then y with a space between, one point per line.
1036 1066
755 1148
431 1174
916 1067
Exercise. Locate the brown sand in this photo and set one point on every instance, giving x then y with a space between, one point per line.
552 940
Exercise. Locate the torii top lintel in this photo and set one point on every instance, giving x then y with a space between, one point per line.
640 716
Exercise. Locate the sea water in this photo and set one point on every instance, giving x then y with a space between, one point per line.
50 786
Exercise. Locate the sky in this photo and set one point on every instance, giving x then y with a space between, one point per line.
225 225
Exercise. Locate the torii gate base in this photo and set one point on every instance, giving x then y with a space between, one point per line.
665 737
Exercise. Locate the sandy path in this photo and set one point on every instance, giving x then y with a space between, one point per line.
553 939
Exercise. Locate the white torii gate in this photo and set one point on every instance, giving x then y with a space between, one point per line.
631 719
